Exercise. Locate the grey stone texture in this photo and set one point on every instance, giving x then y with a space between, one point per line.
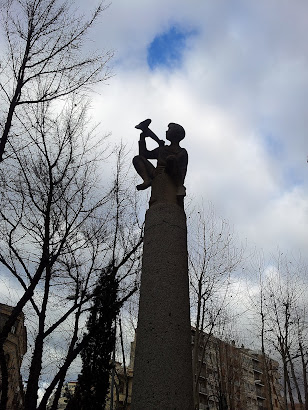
163 188
163 365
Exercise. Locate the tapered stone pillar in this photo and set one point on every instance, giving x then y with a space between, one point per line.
163 365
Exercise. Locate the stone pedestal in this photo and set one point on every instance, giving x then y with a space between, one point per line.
163 365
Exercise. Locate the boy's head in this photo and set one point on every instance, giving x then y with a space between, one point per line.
175 132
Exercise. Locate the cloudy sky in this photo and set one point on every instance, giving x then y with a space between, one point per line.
234 74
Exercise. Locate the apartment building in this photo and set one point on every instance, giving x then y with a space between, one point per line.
67 391
15 347
120 392
231 377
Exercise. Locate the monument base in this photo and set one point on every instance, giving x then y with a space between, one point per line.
163 359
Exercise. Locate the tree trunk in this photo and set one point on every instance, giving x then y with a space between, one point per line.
4 380
294 378
62 372
196 352
289 388
304 369
36 362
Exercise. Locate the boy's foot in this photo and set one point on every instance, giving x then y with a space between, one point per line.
144 185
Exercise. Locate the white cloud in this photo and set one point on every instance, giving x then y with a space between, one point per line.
243 81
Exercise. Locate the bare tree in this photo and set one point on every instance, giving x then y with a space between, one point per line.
45 58
257 303
302 337
213 256
51 210
285 299
281 306
60 227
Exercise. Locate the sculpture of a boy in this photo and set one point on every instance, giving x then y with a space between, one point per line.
171 160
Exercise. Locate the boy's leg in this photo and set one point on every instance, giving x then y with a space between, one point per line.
145 169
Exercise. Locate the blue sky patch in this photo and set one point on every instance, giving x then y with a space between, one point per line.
293 177
273 145
166 49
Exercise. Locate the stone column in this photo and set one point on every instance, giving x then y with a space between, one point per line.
163 361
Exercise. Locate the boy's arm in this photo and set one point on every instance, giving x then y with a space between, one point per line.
143 151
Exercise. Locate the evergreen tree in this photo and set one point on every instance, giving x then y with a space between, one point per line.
93 382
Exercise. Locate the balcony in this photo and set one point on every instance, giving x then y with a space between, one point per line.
203 390
260 395
257 368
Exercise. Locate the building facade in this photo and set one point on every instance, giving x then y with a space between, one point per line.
67 391
15 347
232 377
120 392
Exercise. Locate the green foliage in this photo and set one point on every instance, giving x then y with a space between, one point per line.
93 382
